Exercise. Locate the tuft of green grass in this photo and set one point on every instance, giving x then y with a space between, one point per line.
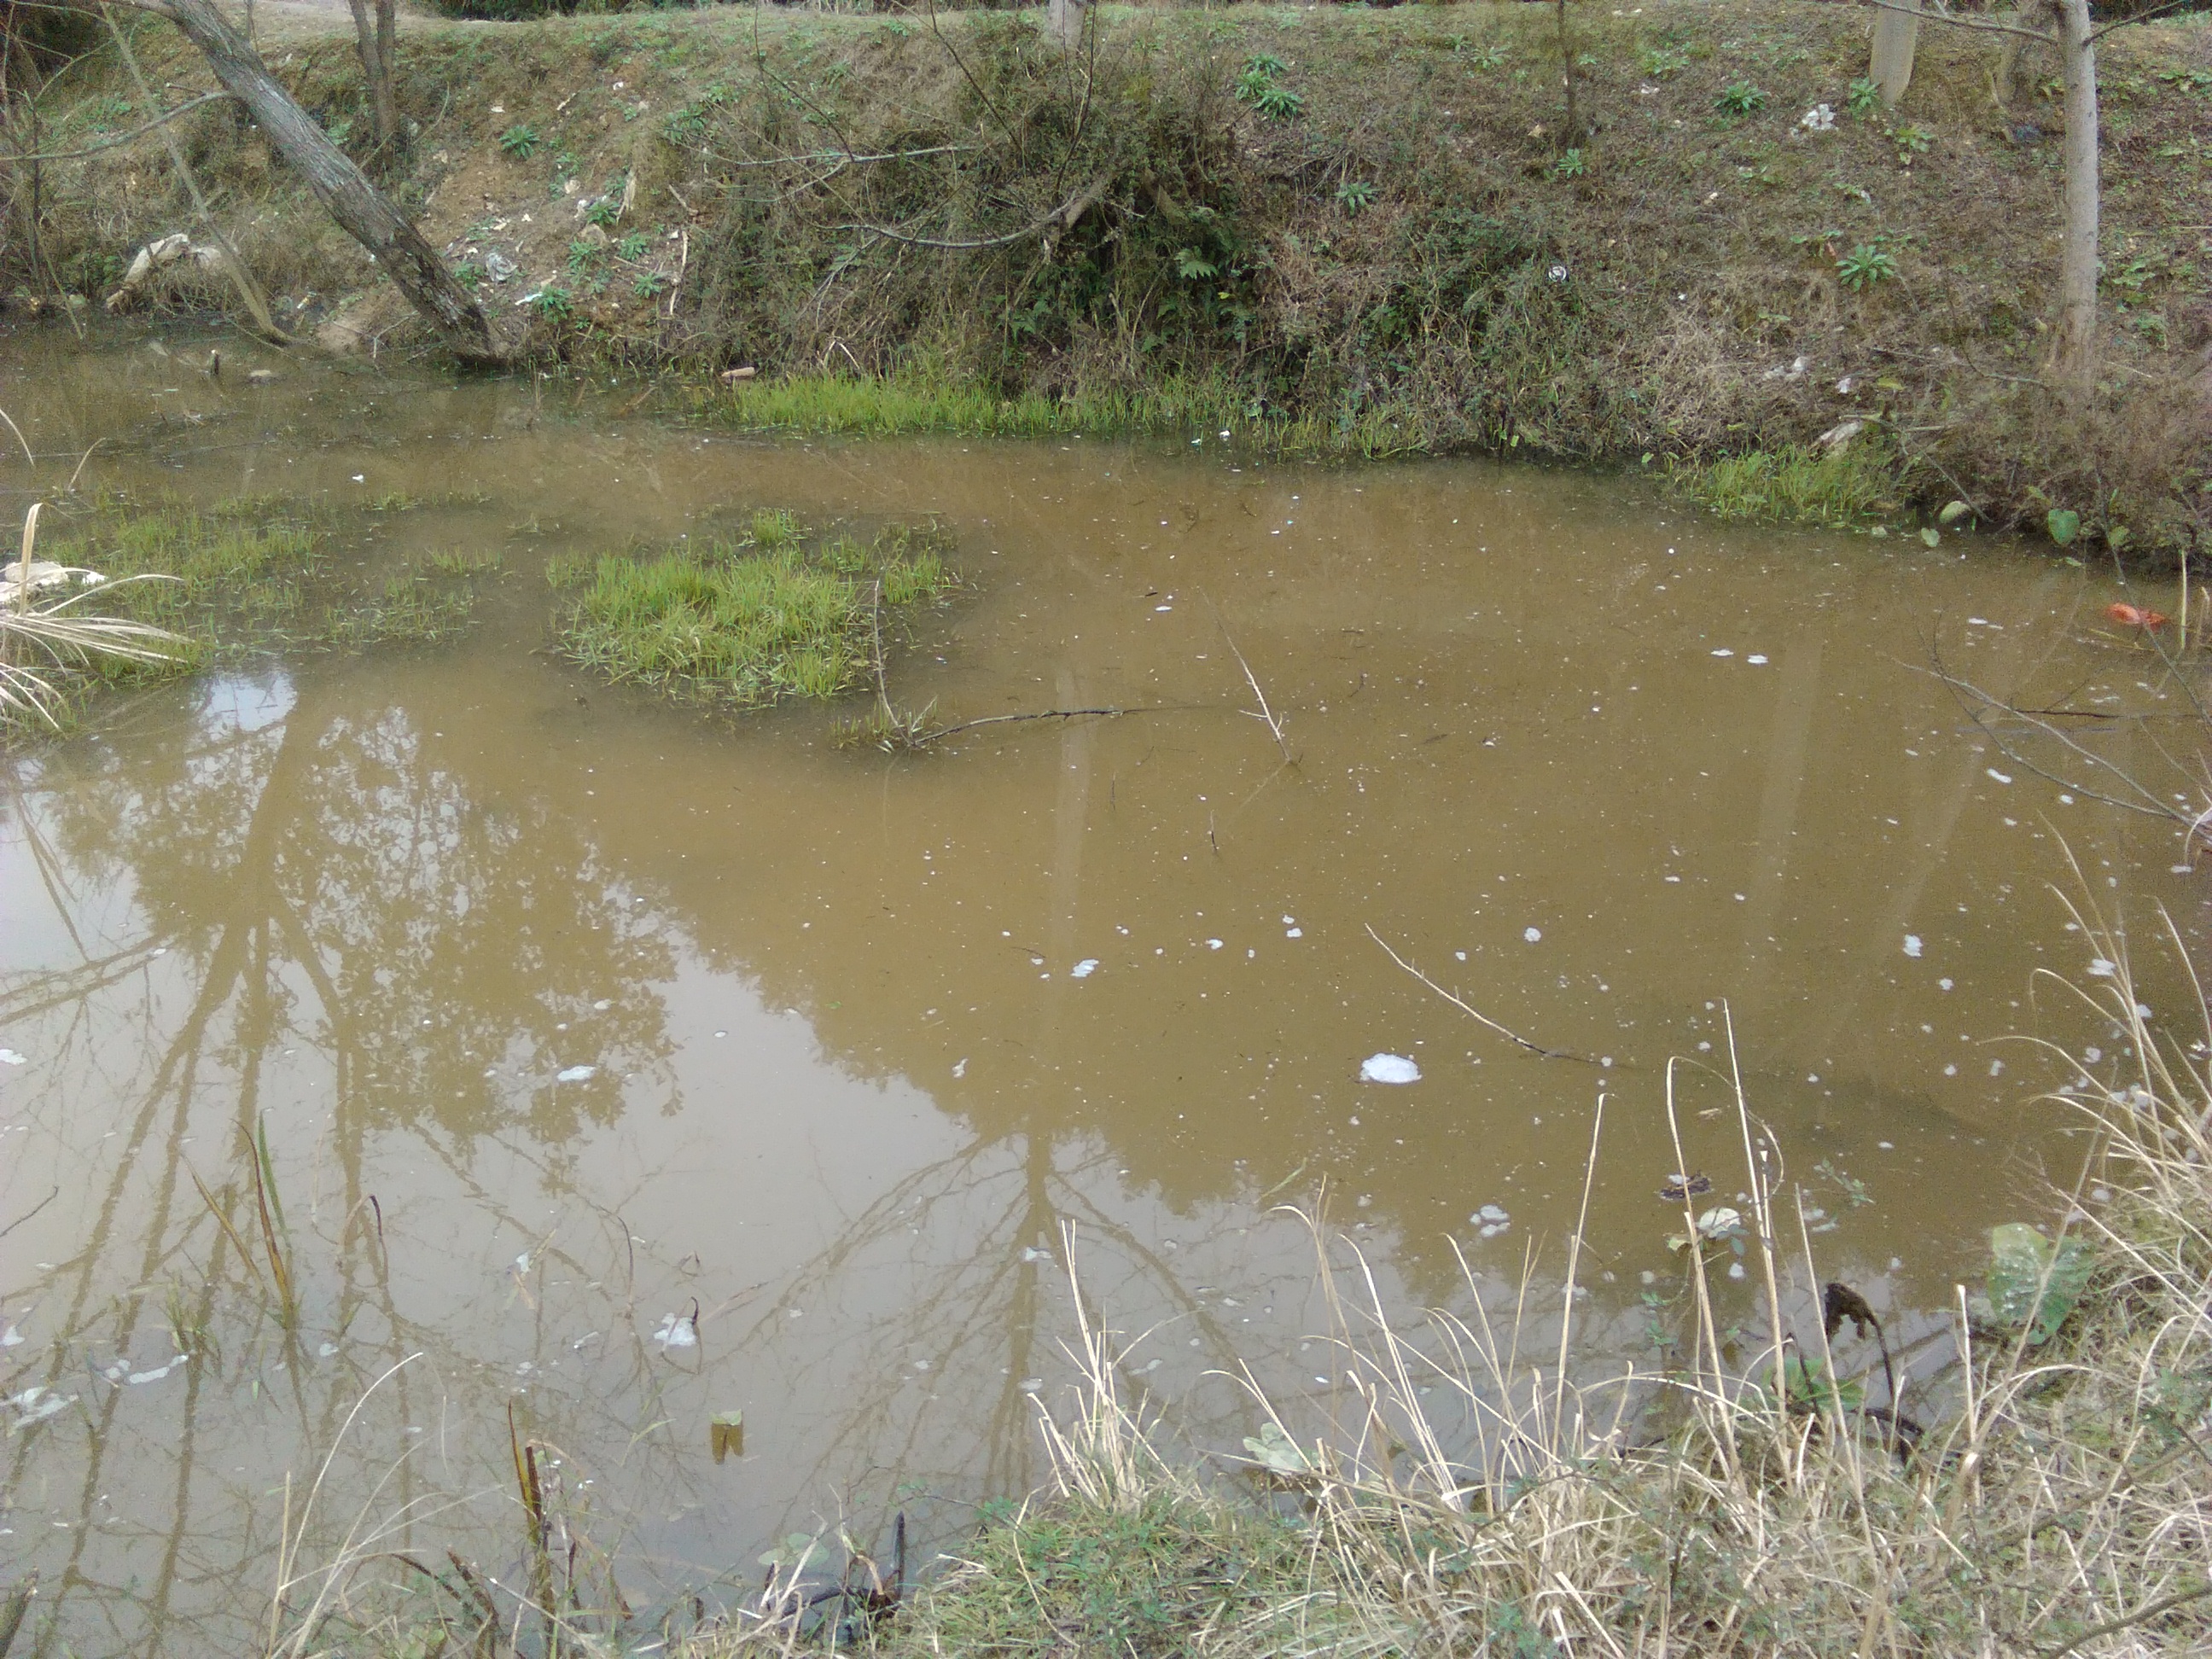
1837 489
464 562
408 612
754 621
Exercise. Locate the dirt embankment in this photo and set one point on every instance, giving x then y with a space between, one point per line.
1375 225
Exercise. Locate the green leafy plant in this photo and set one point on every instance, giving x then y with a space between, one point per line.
649 285
1570 165
633 246
1864 97
1911 142
520 141
1278 103
1486 57
2064 524
580 254
1866 264
604 211
1354 196
1660 62
1194 267
2033 1282
1811 1389
340 131
1740 98
468 273
553 303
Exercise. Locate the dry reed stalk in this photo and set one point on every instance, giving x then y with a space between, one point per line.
46 633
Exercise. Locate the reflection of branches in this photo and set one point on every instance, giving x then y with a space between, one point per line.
2126 791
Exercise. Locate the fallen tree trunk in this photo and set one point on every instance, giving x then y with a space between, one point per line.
364 212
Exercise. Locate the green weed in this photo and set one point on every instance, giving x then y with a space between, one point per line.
520 141
1866 264
1740 98
1799 485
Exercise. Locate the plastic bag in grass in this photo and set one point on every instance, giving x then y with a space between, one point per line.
2034 1282
1282 1454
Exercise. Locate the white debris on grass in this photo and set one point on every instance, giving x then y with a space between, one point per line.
576 1074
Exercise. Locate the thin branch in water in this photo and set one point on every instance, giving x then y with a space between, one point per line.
1041 714
1266 714
1476 1014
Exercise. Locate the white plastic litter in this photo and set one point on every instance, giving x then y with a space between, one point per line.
676 1331
1084 968
1388 1068
576 1074
1532 935
10 1057
1912 944
2101 968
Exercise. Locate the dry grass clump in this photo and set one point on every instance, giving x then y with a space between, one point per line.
54 639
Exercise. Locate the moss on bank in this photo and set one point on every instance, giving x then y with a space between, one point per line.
1361 230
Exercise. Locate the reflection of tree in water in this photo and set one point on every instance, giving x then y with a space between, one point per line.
328 860
318 880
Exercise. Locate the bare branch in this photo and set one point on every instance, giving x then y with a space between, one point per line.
1473 1012
842 158
1064 214
2144 17
1940 15
121 138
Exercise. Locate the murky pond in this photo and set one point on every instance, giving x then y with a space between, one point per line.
621 1067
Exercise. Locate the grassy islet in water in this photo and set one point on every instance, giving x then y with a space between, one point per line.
755 621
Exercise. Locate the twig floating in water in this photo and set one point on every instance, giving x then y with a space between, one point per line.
1266 714
1476 1013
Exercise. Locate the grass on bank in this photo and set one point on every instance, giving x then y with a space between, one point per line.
1842 488
926 399
773 613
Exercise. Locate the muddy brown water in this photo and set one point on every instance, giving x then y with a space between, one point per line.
566 1011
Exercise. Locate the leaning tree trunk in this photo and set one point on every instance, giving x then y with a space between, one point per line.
2075 362
365 212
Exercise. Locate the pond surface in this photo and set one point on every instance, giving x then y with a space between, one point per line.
622 1065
